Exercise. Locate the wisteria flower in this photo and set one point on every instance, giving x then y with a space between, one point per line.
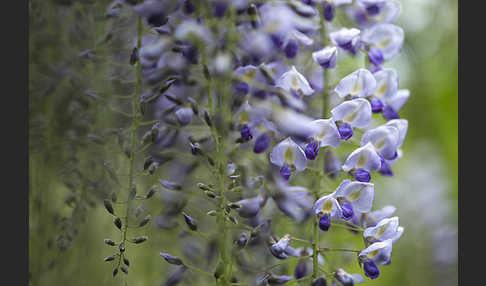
355 196
386 38
288 155
327 208
365 159
326 57
384 138
384 11
351 114
294 201
395 103
360 83
346 39
295 82
378 252
250 207
387 228
386 88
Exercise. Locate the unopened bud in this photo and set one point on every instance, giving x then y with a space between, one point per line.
110 258
145 220
115 272
212 213
109 242
126 261
117 222
108 206
124 269
140 239
191 223
171 259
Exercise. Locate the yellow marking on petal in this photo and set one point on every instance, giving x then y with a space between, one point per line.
327 206
289 156
353 196
361 161
381 232
373 254
383 43
294 82
380 144
244 117
351 117
249 76
356 89
382 89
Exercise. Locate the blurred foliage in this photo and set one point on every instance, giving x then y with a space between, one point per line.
72 130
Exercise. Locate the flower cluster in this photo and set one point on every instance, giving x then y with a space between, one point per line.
245 77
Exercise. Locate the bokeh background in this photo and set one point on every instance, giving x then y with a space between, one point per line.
66 237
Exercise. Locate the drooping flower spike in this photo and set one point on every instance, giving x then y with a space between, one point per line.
288 155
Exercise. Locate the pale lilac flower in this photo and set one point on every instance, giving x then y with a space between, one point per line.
364 157
378 252
360 195
355 112
295 82
287 154
384 138
327 133
294 201
387 38
346 39
386 84
360 83
326 57
387 228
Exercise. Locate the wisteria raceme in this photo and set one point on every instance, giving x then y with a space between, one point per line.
236 98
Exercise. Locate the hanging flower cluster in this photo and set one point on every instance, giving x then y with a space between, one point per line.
251 86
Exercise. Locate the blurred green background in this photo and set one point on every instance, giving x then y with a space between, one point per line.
66 237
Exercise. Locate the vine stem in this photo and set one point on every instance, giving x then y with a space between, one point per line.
133 131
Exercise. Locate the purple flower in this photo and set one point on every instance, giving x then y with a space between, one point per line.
328 11
376 57
291 49
324 222
312 150
376 105
242 88
285 171
361 175
345 130
370 269
300 269
261 143
246 133
389 113
347 210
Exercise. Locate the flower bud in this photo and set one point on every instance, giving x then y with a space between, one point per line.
140 239
115 272
301 269
324 222
109 242
171 259
312 150
110 258
242 240
126 261
345 130
370 269
118 223
191 223
108 206
145 220
261 143
151 192
362 175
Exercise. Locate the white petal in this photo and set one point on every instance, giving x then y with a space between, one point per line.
402 126
355 112
384 138
328 134
364 157
288 152
344 36
386 83
398 99
398 234
335 211
326 56
293 80
387 38
384 251
359 194
360 83
385 229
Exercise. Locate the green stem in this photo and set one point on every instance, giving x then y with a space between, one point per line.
315 246
133 130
